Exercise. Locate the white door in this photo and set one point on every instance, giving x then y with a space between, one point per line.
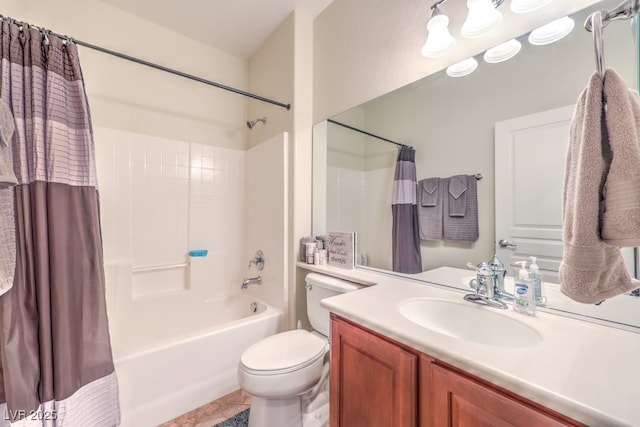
530 156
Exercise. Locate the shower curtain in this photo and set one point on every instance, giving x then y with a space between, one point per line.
406 231
56 366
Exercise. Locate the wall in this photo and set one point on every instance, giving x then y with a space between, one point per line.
271 75
283 67
266 216
128 96
366 48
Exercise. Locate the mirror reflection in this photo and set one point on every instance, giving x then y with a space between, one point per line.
463 126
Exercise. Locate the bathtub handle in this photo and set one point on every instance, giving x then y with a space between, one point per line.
258 260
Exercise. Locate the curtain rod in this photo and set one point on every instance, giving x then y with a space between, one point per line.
46 33
367 133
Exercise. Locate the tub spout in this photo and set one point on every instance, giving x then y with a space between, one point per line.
251 281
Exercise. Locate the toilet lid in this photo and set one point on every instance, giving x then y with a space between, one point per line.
284 351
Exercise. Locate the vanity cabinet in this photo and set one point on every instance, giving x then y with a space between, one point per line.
373 381
376 381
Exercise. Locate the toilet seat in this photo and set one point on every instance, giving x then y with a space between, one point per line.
283 364
283 353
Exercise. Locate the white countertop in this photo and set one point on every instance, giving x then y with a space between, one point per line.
586 371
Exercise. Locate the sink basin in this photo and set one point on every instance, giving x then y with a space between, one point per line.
469 322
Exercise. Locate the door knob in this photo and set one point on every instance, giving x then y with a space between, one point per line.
506 244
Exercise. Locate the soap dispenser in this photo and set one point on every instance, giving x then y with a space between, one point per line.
538 282
524 302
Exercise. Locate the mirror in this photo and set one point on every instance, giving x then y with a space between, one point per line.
450 123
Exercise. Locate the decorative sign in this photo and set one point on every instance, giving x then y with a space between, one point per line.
341 249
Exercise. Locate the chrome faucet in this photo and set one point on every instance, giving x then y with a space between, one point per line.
498 273
485 286
251 281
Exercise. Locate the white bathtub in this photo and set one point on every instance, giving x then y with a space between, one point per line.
194 363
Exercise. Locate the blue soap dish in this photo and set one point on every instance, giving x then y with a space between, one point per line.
198 252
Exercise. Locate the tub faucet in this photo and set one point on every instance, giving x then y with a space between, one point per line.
251 281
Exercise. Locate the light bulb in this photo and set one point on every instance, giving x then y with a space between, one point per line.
462 68
525 6
552 32
482 18
439 39
502 52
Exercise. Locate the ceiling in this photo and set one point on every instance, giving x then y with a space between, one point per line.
238 27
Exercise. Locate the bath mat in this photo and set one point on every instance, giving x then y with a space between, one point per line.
240 419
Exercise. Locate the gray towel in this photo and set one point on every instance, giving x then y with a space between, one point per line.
461 228
7 128
430 208
457 195
430 193
591 270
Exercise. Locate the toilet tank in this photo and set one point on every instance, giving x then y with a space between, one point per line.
320 287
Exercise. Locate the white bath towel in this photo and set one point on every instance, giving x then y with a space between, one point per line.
591 270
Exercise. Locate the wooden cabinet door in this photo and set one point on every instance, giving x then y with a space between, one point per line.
373 381
459 401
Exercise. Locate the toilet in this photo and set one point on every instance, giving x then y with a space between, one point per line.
287 374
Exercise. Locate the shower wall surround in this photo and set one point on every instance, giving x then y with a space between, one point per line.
359 194
161 198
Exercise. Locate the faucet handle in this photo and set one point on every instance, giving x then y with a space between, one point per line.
258 260
481 269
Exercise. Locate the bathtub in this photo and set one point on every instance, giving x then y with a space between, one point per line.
194 363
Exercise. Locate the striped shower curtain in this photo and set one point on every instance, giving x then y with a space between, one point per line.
56 366
406 231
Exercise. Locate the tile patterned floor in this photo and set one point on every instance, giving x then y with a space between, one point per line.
214 412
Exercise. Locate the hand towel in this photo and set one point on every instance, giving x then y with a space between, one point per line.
461 228
457 195
7 128
430 209
430 194
621 210
591 270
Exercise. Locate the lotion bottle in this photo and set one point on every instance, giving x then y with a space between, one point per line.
524 301
538 282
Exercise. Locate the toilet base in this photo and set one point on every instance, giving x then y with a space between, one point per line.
275 412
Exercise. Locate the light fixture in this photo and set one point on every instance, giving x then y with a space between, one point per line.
482 18
525 6
462 68
502 52
551 32
439 39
